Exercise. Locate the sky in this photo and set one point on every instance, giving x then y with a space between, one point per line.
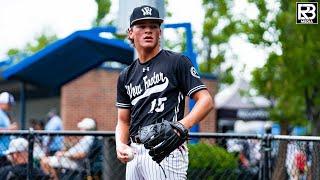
21 21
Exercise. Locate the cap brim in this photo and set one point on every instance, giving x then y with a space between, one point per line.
147 18
83 126
7 152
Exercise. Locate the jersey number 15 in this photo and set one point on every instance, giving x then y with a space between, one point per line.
157 105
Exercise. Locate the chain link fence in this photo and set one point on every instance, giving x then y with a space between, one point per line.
91 155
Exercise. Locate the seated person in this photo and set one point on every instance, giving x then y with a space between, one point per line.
18 155
38 150
72 158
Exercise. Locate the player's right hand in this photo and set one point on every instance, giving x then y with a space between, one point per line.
122 153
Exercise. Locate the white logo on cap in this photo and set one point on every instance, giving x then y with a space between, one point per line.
194 72
146 11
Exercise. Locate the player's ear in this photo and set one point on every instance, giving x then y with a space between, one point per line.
130 36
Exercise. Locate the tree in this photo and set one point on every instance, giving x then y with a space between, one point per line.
103 10
219 26
290 75
39 43
290 78
180 44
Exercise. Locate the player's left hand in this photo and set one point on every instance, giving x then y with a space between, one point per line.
162 138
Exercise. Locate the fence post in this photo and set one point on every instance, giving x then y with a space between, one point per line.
266 147
30 153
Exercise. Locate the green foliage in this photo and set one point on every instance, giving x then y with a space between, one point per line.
39 43
218 27
207 161
103 9
13 51
177 46
168 13
290 78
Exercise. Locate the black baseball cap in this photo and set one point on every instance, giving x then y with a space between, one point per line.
145 13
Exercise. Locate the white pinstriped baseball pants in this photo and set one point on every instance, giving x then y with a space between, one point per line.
142 167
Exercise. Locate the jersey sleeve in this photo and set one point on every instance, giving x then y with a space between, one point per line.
188 78
123 99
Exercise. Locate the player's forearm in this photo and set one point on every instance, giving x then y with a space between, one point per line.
122 128
122 133
201 109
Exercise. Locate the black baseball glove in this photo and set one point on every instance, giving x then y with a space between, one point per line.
162 138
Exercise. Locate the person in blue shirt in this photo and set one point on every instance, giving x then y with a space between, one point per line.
54 143
6 102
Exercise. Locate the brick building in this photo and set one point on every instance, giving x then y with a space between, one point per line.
94 94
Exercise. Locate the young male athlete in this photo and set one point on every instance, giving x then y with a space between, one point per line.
152 90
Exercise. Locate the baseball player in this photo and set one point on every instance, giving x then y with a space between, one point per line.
151 91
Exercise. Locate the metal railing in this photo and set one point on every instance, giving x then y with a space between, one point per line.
246 156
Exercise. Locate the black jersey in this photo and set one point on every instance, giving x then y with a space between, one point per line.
155 90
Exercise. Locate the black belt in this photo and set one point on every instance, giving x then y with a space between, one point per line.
135 139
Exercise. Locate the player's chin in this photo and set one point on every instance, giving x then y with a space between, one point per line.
149 47
148 44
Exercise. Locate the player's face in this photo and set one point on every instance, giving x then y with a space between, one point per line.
146 34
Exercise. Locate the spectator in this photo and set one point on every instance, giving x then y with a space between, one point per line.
6 102
296 160
37 124
71 159
18 155
38 151
248 152
50 143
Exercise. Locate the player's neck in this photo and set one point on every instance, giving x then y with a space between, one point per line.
147 55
